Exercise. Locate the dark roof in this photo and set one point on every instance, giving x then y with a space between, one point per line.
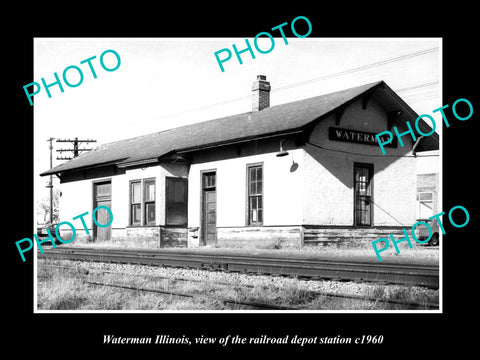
273 120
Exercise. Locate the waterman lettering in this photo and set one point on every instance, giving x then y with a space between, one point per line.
159 339
111 339
356 136
225 54
73 76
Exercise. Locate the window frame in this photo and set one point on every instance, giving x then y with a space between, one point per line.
132 203
143 203
370 191
206 174
419 202
149 202
248 196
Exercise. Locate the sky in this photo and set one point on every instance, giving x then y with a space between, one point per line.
163 83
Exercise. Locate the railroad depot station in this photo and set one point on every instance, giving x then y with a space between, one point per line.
308 172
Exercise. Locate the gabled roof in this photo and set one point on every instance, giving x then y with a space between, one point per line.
275 120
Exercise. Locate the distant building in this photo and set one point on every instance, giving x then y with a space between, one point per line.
428 186
305 172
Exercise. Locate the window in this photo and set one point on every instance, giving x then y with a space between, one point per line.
209 180
363 194
176 201
142 203
425 204
255 194
149 201
103 189
135 203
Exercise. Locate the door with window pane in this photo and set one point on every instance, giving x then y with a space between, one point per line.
102 192
255 194
363 184
209 208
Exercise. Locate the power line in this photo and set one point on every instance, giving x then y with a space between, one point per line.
324 77
417 86
359 68
422 98
76 150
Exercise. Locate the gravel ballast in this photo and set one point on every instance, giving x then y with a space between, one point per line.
267 288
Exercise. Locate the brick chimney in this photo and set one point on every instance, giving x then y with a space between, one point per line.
261 93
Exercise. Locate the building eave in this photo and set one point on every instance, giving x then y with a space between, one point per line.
58 170
239 141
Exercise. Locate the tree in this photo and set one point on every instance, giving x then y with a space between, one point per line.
43 208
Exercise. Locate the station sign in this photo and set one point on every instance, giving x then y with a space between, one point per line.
356 136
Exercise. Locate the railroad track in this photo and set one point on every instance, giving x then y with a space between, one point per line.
90 277
421 275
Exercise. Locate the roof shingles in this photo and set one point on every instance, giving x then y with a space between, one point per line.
276 119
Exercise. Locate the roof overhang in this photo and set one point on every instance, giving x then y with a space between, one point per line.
390 100
137 163
239 141
59 171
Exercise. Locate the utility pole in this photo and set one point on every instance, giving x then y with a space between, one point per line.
50 184
76 150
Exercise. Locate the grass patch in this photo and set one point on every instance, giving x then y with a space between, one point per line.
61 294
64 289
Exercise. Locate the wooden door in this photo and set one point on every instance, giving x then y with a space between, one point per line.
102 192
103 217
210 217
363 184
209 209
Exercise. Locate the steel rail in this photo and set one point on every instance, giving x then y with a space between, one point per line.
313 292
234 304
421 275
237 304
